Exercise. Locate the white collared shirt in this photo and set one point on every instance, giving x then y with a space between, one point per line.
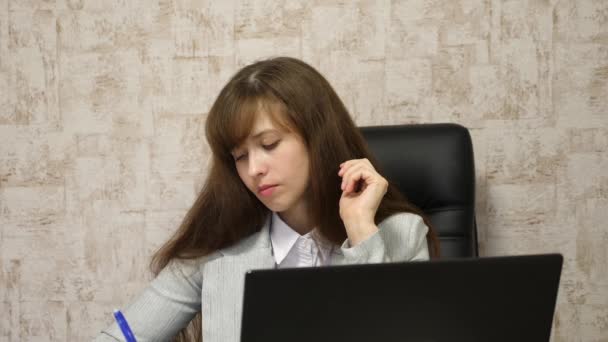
290 249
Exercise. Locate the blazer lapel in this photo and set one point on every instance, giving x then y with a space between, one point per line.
223 285
337 257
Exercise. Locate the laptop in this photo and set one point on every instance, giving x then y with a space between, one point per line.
479 299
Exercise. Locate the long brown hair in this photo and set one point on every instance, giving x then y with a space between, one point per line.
225 211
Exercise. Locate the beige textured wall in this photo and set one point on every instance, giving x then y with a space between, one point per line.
101 151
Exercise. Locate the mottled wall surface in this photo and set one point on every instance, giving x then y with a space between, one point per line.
102 152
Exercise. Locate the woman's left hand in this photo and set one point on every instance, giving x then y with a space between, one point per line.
362 191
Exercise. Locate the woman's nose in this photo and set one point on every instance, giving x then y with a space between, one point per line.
257 164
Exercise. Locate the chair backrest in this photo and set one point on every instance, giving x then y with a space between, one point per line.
433 166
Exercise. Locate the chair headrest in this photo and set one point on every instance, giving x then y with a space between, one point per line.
433 166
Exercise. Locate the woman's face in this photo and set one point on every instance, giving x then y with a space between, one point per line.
273 163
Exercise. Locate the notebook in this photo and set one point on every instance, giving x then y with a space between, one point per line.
478 299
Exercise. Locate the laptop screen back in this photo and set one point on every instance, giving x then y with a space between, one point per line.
486 299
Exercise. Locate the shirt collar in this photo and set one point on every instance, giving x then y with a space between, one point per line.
283 238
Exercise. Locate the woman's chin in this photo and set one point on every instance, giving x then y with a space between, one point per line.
274 207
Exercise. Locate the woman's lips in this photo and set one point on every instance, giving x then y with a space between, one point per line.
267 190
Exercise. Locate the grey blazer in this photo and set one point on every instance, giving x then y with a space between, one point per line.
214 283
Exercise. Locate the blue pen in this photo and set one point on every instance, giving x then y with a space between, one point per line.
124 326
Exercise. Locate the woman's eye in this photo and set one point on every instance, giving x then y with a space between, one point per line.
267 147
271 146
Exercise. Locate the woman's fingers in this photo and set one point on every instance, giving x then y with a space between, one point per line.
357 175
354 171
344 167
347 175
347 164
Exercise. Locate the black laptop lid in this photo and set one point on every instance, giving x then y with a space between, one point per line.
486 299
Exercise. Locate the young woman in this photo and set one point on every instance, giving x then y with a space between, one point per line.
291 184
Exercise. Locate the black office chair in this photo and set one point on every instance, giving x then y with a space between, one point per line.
433 166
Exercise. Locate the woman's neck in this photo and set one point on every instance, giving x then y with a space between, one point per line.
298 219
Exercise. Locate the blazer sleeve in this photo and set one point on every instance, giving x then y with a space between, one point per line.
400 237
165 307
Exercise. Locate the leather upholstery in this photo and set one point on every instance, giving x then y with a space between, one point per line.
433 166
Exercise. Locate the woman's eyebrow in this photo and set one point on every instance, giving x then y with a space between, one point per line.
269 130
